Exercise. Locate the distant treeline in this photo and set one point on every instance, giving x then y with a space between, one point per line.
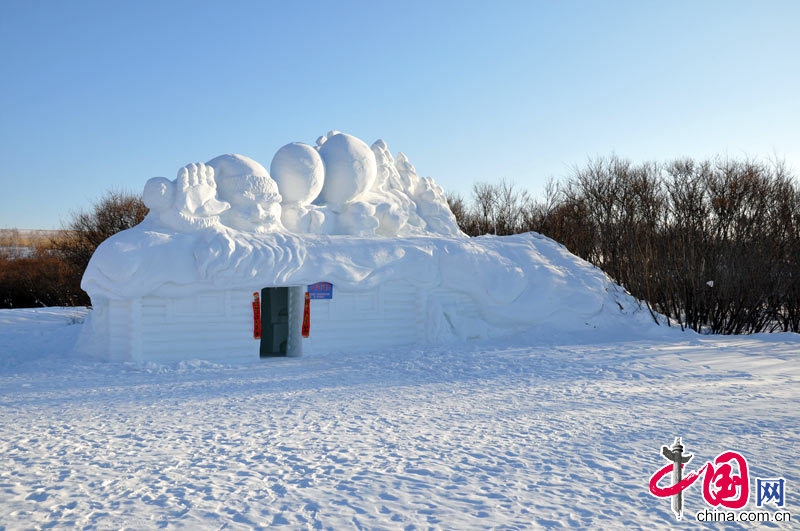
33 274
44 268
709 245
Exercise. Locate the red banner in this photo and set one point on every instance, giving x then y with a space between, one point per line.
256 316
307 316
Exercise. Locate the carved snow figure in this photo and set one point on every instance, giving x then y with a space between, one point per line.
253 195
350 170
394 208
187 203
430 199
406 204
299 173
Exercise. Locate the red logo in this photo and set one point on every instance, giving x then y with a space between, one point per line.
725 480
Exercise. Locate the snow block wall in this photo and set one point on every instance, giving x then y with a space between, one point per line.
180 285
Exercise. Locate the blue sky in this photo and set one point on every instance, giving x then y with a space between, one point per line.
104 95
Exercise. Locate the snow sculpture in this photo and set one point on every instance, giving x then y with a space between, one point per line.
187 203
253 195
340 187
406 204
184 277
299 172
393 208
357 219
350 169
430 199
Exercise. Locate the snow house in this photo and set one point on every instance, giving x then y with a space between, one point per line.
220 267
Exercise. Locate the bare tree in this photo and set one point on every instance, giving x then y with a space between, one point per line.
712 245
113 212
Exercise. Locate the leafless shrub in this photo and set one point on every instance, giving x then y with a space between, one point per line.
37 277
49 272
711 245
112 213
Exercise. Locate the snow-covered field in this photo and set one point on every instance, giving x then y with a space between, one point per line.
511 435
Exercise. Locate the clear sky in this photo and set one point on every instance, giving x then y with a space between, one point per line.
104 95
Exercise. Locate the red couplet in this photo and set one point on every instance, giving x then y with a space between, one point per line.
307 316
256 316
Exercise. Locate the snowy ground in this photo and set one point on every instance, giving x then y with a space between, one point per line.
515 435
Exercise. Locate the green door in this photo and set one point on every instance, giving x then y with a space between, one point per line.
274 321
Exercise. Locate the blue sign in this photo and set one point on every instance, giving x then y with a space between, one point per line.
320 290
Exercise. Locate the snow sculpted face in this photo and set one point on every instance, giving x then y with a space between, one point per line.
350 169
299 172
253 195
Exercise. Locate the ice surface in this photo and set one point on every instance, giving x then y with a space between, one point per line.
519 434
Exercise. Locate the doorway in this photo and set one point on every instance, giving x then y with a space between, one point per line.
274 321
